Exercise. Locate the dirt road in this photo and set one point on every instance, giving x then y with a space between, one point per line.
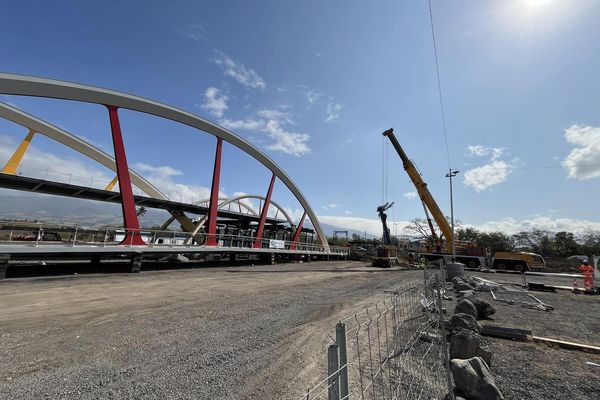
211 333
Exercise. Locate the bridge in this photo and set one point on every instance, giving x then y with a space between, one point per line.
214 225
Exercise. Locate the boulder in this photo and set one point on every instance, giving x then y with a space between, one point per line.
474 379
466 344
465 306
484 309
465 294
464 321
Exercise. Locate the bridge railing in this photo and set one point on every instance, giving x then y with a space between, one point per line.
39 234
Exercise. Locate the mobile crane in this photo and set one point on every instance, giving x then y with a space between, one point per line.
467 252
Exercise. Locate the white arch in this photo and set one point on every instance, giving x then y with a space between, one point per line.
225 201
12 84
81 146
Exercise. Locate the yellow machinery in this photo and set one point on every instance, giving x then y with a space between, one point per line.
469 251
519 261
423 191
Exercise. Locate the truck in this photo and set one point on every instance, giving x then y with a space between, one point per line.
467 252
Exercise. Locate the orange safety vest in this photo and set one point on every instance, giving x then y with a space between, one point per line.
587 270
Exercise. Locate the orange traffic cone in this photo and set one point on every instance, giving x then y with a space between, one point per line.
575 287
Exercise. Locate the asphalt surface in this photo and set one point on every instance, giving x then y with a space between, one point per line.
210 333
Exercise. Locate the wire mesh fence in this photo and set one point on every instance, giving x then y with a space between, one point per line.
393 350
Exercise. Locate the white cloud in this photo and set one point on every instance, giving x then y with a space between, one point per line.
507 225
490 174
370 225
238 71
410 195
486 176
482 151
334 111
511 225
273 123
313 95
247 124
348 212
276 114
162 178
287 142
583 162
194 31
215 102
331 206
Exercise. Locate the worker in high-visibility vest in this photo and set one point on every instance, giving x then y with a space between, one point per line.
588 275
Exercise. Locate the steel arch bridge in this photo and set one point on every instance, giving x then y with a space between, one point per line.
20 85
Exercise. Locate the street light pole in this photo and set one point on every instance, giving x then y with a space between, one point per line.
450 175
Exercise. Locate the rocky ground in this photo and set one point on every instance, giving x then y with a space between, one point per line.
528 370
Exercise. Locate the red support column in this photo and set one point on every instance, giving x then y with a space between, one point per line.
263 215
130 219
296 238
211 239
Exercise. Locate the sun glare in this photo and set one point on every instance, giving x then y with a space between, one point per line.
536 3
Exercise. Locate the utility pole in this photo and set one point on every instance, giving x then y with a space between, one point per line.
451 174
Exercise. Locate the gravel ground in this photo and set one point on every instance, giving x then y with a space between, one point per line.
211 333
244 332
528 370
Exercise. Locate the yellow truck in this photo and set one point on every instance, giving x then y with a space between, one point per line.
518 261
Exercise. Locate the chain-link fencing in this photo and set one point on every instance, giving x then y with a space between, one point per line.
395 349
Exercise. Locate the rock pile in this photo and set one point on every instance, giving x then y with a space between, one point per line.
470 353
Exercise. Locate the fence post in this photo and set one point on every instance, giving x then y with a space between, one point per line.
332 367
443 341
340 338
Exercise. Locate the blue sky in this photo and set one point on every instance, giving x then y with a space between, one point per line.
314 83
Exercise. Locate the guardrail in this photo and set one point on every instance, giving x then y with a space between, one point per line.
84 236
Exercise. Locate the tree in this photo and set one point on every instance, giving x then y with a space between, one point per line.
565 244
141 211
495 241
590 243
421 228
538 241
468 234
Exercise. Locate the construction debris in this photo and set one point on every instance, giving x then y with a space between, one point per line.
568 345
522 335
521 297
540 287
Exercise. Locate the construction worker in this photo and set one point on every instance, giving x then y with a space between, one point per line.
588 275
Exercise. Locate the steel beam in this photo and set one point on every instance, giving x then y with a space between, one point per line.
263 215
296 238
211 239
12 164
111 184
130 219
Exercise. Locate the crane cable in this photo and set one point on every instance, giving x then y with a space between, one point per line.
439 84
